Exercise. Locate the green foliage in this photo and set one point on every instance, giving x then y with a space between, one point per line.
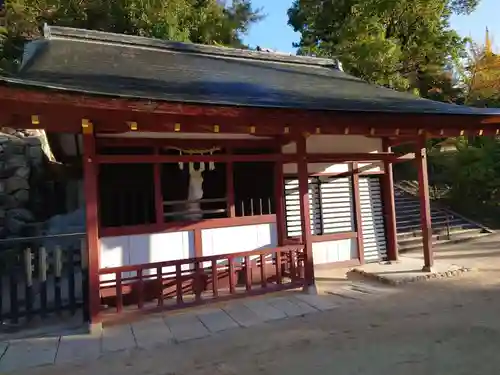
389 42
481 76
198 21
473 173
474 170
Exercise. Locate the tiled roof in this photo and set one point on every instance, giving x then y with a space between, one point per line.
129 66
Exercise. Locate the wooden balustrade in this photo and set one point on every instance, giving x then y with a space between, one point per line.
177 283
254 207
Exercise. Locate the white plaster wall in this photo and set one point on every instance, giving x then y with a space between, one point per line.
145 248
324 144
238 239
335 251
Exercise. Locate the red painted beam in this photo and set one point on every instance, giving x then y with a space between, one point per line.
276 141
187 226
221 158
60 111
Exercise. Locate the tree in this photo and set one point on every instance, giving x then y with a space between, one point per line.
481 75
198 21
395 43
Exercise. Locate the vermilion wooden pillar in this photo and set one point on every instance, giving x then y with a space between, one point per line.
358 219
231 208
389 206
279 197
91 218
305 215
425 209
159 208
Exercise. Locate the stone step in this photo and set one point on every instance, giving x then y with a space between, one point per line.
407 221
406 202
436 220
411 217
436 236
411 227
438 230
415 208
416 242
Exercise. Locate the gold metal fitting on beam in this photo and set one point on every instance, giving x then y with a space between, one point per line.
216 128
481 132
497 132
87 127
462 132
133 125
35 120
177 127
252 129
346 130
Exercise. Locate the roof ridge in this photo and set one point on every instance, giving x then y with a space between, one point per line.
59 32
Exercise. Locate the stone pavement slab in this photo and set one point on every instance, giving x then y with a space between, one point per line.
171 328
117 338
346 292
152 332
186 327
291 306
372 289
242 314
320 302
25 353
264 310
77 348
217 320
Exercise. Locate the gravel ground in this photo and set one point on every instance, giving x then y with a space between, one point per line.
437 327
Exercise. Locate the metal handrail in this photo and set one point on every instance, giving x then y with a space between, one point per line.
436 206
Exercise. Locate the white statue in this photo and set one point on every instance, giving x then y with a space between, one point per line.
195 193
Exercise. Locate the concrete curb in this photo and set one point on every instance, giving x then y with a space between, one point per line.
428 276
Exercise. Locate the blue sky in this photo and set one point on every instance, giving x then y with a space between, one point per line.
274 32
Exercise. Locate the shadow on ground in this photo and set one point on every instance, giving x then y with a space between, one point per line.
437 327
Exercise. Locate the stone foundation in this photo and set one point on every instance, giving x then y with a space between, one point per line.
408 270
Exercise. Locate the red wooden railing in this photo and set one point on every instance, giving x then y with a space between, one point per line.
177 283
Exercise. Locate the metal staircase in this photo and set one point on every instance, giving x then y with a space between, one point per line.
447 226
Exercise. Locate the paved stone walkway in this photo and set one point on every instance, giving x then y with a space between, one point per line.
174 329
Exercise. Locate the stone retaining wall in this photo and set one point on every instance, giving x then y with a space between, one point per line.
23 154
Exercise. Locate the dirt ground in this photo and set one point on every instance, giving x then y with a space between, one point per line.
438 327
